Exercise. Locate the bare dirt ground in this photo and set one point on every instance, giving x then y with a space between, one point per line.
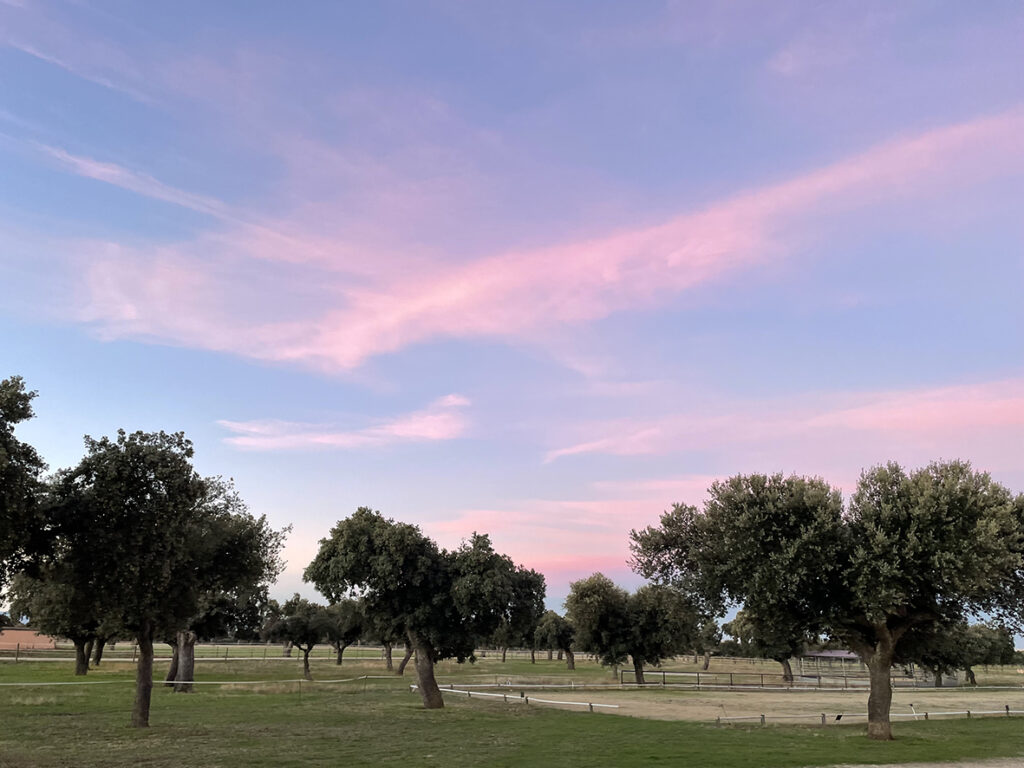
787 706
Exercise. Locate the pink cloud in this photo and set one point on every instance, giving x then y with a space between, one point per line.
832 434
524 294
441 420
133 181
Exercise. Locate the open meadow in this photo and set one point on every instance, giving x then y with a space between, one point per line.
259 714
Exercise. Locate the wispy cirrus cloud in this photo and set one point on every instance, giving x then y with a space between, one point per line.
134 181
835 432
443 419
524 294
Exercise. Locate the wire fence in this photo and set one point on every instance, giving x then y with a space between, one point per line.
835 718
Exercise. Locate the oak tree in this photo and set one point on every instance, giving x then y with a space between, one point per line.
931 546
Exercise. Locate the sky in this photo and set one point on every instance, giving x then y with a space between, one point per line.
536 269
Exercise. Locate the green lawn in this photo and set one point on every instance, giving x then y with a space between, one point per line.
381 722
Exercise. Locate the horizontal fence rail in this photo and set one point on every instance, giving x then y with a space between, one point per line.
522 698
825 718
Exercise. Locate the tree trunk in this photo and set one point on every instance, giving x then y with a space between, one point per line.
695 654
504 651
787 670
389 664
143 676
938 679
880 697
97 655
81 658
638 670
172 671
971 679
552 653
559 655
570 660
339 649
429 691
533 656
287 648
305 662
186 662
405 659
88 650
707 659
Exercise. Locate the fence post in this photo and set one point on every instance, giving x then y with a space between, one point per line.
730 679
1007 710
968 714
591 705
662 680
698 680
823 718
925 715
762 718
762 679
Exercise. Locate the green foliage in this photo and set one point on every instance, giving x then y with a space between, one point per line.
652 624
932 546
346 622
448 601
300 622
22 529
133 529
519 624
946 649
599 612
554 632
55 605
771 638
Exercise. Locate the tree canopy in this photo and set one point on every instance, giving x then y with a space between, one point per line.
933 545
22 529
444 601
652 624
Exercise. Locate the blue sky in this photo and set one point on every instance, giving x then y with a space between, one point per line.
532 269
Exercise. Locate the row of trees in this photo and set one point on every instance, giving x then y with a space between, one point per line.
132 540
129 542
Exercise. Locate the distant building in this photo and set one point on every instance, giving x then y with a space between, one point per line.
25 638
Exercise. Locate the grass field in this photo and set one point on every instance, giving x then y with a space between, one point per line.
374 722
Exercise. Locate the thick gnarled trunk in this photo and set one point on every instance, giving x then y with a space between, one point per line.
143 677
389 663
81 657
638 670
186 671
570 660
707 659
880 697
339 651
305 662
97 655
172 671
424 662
504 653
405 660
787 670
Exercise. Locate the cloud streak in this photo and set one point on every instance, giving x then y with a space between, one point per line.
831 434
443 419
525 294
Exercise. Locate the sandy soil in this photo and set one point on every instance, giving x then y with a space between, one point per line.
786 706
